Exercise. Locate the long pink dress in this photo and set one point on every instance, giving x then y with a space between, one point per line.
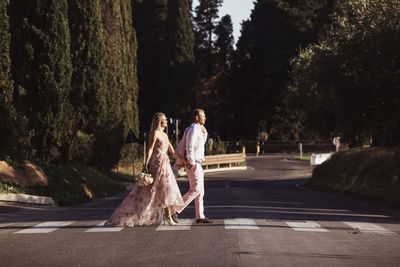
144 204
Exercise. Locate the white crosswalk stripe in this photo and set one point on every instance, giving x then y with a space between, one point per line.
366 227
46 227
100 228
308 226
241 223
184 224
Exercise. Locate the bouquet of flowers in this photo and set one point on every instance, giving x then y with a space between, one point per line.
144 179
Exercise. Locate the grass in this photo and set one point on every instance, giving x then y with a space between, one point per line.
368 172
304 157
69 184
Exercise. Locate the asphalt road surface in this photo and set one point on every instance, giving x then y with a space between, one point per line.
262 217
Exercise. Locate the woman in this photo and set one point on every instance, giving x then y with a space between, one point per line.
144 204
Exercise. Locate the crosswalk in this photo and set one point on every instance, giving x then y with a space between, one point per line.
227 224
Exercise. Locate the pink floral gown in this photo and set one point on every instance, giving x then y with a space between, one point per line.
144 204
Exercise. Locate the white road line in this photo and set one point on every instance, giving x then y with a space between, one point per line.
46 227
366 227
184 224
308 226
100 228
241 223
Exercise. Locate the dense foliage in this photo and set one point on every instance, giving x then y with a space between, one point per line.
74 88
272 35
7 111
41 70
165 58
74 73
348 82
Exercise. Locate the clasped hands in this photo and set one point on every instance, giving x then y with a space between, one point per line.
189 166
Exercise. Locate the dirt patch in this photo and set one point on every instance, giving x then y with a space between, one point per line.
29 175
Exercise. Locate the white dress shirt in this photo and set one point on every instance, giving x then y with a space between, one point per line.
195 142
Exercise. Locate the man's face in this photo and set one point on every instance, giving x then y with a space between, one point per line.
201 118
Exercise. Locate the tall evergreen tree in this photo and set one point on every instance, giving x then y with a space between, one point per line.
7 112
129 59
206 14
149 20
224 42
121 81
88 56
41 68
274 33
180 73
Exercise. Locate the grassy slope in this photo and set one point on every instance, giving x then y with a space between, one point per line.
70 184
372 172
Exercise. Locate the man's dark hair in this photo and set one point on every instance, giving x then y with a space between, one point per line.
196 112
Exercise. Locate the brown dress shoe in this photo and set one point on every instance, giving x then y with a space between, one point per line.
205 220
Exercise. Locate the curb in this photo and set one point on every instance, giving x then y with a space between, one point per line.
31 199
299 186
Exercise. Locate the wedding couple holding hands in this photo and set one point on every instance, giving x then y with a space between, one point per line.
145 204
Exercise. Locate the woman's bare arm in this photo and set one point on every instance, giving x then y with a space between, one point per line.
176 154
150 152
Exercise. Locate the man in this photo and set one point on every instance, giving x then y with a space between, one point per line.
192 145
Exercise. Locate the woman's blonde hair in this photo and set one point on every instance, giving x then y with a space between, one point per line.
155 124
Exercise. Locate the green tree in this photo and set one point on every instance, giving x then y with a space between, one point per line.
121 81
165 58
224 42
88 95
150 22
206 14
41 69
351 75
7 111
129 58
180 73
272 35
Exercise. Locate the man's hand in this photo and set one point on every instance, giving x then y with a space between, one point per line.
190 166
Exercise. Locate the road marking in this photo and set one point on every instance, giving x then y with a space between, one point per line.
241 223
308 226
365 227
100 228
184 224
46 227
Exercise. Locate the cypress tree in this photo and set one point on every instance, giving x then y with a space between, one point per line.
121 81
129 59
149 20
224 42
41 68
204 27
180 73
7 112
88 56
272 35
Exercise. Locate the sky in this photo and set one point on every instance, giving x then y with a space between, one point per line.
238 9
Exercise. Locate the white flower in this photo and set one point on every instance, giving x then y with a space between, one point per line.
144 179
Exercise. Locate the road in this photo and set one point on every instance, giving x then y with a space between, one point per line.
261 218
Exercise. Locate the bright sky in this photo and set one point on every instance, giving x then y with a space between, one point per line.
238 9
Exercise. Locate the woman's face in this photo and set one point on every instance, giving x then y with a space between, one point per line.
164 121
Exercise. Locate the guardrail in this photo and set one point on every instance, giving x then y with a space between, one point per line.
233 159
317 159
274 146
